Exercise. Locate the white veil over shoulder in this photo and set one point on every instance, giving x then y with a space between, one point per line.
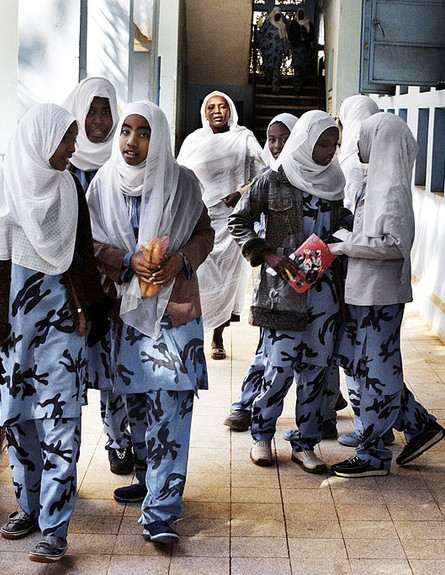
170 206
38 204
326 182
89 155
389 148
289 120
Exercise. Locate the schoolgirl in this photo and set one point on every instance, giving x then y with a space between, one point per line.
301 195
141 194
378 284
50 292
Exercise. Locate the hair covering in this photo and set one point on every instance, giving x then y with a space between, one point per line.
289 120
39 206
389 148
223 161
280 24
326 182
170 205
89 155
352 112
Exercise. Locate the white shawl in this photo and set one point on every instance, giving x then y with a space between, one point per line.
280 24
223 161
38 204
89 155
326 182
289 120
353 111
389 148
170 206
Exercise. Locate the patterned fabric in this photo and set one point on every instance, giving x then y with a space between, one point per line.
175 361
273 50
43 357
369 350
43 455
160 424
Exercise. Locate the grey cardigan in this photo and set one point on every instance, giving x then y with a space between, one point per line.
374 266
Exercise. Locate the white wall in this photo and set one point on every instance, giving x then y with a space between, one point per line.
8 70
168 52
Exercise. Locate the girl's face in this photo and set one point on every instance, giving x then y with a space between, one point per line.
325 147
276 138
218 114
99 120
134 139
61 157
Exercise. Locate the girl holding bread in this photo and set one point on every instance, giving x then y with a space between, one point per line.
139 195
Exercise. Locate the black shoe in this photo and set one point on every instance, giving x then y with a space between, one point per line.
19 524
356 467
132 494
238 420
160 532
49 549
329 429
388 438
341 403
431 435
121 461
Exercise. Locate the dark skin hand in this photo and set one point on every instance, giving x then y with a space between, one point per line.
161 275
231 200
280 263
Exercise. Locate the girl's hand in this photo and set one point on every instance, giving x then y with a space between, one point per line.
168 270
280 264
143 269
231 200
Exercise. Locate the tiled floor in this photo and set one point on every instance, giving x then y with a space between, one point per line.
239 519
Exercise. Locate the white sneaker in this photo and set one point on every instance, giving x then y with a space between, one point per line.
261 453
308 461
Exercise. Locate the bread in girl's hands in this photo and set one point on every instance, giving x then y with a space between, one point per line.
153 252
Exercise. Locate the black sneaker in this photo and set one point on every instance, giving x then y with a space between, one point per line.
341 403
132 494
160 532
431 435
121 461
238 420
356 467
49 549
19 524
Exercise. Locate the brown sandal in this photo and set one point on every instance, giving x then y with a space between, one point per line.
218 353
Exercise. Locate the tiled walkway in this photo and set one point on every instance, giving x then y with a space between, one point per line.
239 519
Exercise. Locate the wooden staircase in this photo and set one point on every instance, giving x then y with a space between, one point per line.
267 104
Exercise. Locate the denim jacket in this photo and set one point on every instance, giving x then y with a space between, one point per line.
276 305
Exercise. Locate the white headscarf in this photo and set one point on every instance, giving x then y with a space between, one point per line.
170 206
222 161
38 207
280 24
89 155
326 182
289 120
352 112
389 148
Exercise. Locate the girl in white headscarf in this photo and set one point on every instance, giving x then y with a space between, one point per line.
352 112
301 195
224 156
277 133
50 287
274 45
377 287
93 103
141 194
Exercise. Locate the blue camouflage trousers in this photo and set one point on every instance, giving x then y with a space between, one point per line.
114 418
282 365
43 454
370 353
160 423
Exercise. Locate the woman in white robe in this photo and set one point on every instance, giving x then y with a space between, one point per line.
224 156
